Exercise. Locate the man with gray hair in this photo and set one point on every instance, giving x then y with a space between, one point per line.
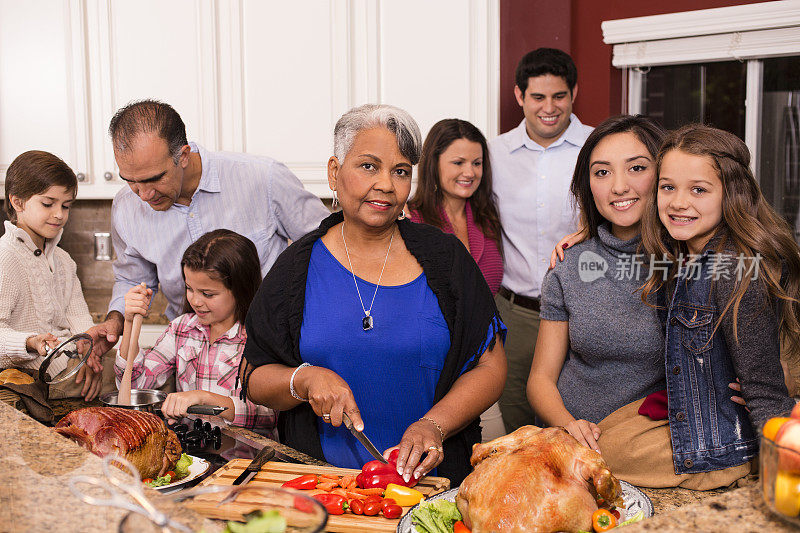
179 191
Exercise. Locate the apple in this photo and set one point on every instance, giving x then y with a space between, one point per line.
788 438
796 411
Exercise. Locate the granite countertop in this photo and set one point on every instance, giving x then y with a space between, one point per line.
741 510
36 464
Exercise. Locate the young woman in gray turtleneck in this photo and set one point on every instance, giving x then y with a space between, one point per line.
600 347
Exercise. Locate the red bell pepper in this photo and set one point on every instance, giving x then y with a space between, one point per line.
460 527
307 482
376 474
303 505
333 503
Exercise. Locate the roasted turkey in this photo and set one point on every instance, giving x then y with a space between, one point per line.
141 438
535 479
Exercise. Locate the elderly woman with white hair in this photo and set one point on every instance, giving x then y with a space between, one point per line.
376 318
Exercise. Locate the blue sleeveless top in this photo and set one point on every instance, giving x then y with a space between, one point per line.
392 369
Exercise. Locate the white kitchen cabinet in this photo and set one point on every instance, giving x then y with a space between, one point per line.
43 101
267 77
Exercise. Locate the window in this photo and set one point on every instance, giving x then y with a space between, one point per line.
712 93
779 161
736 68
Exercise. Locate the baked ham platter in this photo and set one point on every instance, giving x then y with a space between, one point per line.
530 480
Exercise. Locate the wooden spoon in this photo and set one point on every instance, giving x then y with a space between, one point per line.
130 345
129 349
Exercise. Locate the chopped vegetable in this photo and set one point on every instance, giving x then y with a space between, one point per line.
327 487
369 492
603 520
436 516
404 496
259 522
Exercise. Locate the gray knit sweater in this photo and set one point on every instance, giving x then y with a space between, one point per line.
616 343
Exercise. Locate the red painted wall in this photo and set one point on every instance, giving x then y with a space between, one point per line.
574 26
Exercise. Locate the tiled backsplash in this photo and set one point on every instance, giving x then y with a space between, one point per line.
85 218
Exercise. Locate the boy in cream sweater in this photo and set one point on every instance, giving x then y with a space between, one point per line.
40 294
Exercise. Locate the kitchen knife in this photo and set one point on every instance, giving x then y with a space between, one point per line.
266 453
363 439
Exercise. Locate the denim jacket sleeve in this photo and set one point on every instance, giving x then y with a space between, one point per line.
754 349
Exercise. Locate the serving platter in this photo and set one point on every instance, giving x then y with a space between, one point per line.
198 467
635 501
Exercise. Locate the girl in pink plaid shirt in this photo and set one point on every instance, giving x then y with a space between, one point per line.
203 346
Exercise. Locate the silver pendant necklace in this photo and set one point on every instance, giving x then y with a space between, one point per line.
367 322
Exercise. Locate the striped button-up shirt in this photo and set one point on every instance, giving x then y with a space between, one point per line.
257 197
531 184
186 351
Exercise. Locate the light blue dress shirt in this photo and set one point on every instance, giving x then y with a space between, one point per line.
257 197
532 188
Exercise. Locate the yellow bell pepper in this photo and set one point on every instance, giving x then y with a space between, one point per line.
787 493
403 496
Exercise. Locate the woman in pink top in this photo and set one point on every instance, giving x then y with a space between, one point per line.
454 193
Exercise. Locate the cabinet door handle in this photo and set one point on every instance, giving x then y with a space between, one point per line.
108 176
81 176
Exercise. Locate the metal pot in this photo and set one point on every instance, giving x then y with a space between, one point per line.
150 400
141 400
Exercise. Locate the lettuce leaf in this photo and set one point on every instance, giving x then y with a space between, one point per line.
436 516
259 522
160 481
182 466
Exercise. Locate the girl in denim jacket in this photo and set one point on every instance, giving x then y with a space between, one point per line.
724 268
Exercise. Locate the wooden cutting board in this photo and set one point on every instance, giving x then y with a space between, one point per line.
274 474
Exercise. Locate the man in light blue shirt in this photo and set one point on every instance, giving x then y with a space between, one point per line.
179 191
532 166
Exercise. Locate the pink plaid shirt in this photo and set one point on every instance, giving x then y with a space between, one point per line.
198 364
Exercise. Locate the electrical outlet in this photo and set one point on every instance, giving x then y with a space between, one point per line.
102 246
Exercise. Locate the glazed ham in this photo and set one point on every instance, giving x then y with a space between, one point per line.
141 438
535 480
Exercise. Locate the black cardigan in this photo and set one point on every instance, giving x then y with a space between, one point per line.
276 314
